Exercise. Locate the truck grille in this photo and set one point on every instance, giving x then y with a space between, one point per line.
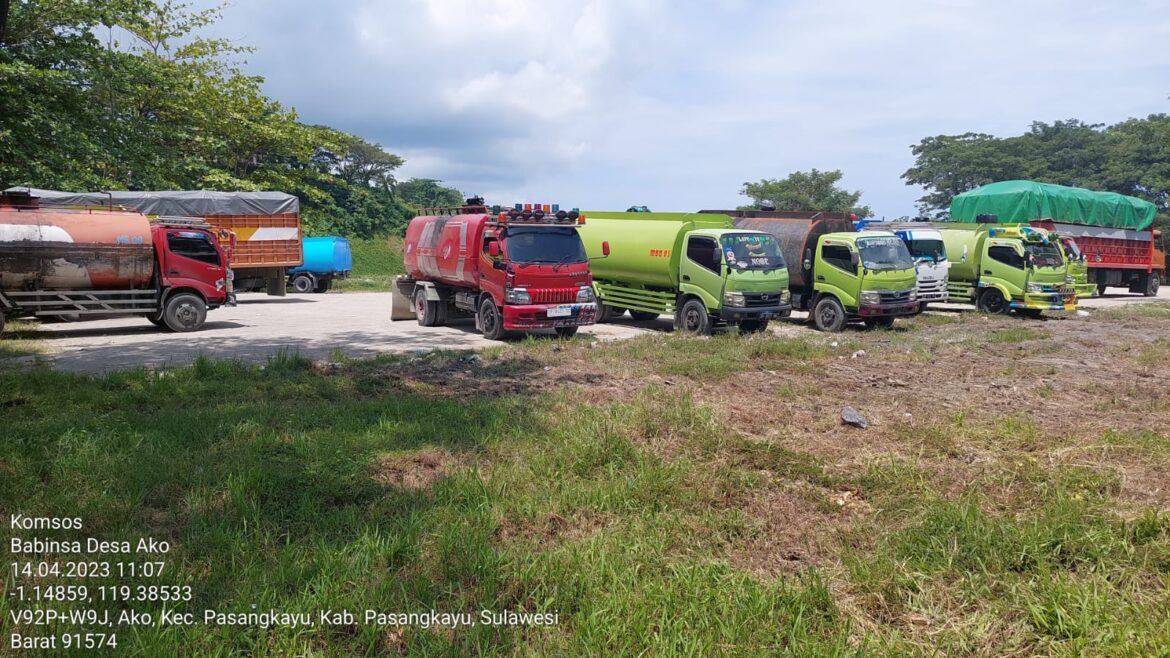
894 296
553 295
932 290
751 299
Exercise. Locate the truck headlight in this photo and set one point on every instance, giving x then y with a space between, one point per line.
585 294
1034 287
517 296
733 299
914 294
870 298
785 297
1068 278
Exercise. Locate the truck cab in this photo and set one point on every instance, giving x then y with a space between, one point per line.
1004 268
868 276
740 276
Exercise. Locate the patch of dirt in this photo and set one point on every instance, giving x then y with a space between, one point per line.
553 527
416 471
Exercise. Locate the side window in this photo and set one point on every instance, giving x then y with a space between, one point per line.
487 242
702 251
1007 256
838 256
195 246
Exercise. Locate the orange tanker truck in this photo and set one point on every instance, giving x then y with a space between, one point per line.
83 263
267 225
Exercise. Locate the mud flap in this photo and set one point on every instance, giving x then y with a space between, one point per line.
401 299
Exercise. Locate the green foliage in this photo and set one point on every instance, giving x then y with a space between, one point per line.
126 94
811 190
428 193
1131 157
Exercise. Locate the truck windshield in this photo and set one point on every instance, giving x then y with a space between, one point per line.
884 253
930 250
748 251
555 244
1070 246
1044 254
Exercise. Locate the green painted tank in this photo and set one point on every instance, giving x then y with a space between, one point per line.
964 244
644 247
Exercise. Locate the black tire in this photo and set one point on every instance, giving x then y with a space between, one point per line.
566 332
828 314
323 286
303 284
428 313
991 301
643 316
1101 289
490 320
1153 282
157 320
607 313
882 322
185 312
693 318
921 307
753 326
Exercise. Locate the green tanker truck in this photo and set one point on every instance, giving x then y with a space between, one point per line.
698 268
836 274
1005 268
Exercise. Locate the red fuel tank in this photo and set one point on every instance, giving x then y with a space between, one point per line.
444 249
74 249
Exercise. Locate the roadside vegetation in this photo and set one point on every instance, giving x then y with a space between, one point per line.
664 495
376 262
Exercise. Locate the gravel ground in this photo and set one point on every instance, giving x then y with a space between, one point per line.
316 326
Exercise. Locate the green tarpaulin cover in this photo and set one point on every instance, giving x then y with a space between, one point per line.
1022 201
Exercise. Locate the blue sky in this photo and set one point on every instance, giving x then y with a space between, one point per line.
609 103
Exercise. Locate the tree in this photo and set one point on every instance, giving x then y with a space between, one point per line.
1131 157
813 190
428 193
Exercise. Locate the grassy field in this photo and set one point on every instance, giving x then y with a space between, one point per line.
375 263
663 495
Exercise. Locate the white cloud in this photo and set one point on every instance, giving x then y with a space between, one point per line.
675 104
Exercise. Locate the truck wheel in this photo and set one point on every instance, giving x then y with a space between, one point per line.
566 332
1152 283
324 285
883 322
185 312
428 313
643 316
991 301
1101 289
607 313
828 314
303 283
920 309
157 319
693 318
490 320
753 326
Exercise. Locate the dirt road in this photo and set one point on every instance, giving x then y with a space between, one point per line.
315 326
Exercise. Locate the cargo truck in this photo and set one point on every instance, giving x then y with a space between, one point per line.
522 268
926 247
266 225
698 268
836 274
1107 236
325 259
84 263
1004 268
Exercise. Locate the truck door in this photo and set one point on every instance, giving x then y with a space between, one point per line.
1003 264
835 273
192 258
491 280
702 270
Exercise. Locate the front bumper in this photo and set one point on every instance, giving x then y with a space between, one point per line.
1047 301
536 316
740 313
1085 290
933 291
888 310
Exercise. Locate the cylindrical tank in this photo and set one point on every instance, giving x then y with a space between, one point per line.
644 247
443 248
43 249
328 255
796 234
963 243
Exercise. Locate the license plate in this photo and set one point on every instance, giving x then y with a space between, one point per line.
564 310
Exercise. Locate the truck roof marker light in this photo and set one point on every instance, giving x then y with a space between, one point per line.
547 209
503 217
580 219
556 207
528 206
519 207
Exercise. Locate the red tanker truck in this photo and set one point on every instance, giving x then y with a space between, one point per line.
520 269
87 262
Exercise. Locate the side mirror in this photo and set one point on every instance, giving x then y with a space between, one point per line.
854 258
716 254
499 265
1030 261
494 249
605 247
807 263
